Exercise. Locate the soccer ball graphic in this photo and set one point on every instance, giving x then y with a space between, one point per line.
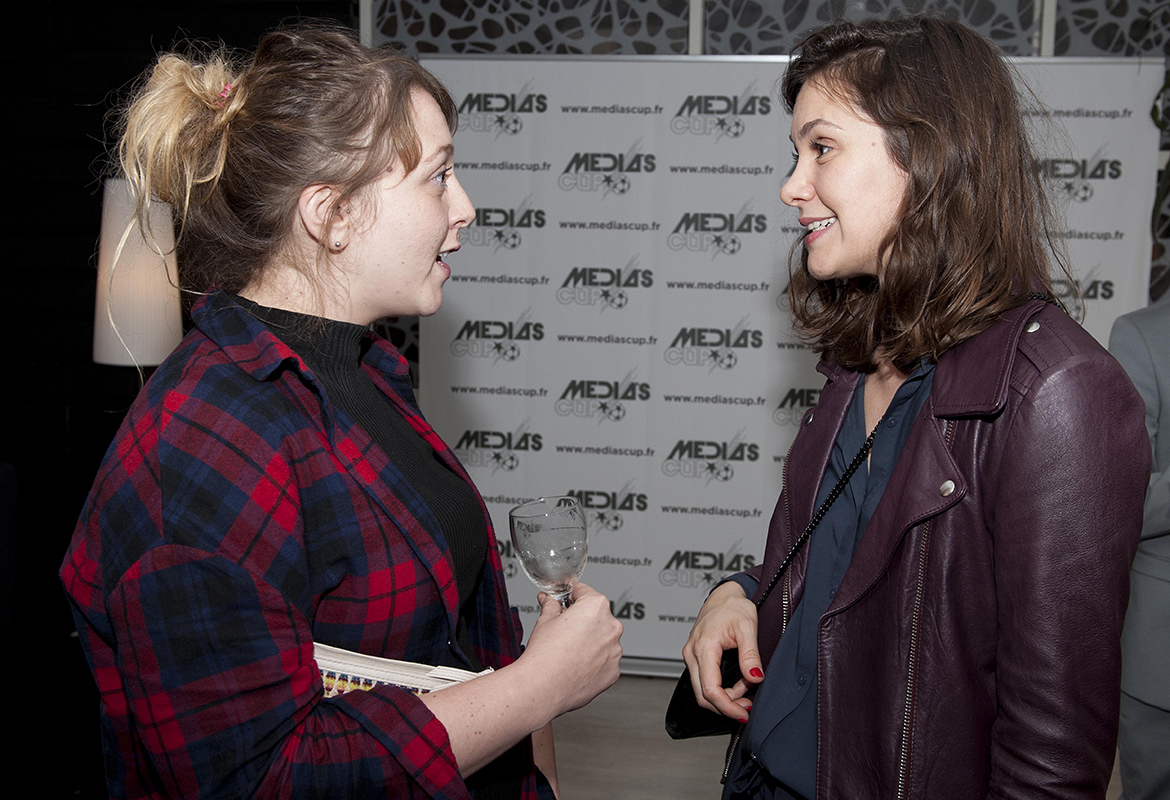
726 359
731 245
1080 192
614 411
721 472
507 462
611 521
734 128
510 352
618 299
621 185
510 240
512 125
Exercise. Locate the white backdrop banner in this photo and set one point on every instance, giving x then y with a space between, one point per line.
616 327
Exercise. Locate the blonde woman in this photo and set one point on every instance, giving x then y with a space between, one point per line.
275 484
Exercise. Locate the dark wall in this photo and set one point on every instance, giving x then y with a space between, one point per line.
65 64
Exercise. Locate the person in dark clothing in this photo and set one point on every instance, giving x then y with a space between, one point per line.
952 628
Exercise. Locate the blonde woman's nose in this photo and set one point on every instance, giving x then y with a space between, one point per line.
461 209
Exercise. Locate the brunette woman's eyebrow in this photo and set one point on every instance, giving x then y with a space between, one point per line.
808 126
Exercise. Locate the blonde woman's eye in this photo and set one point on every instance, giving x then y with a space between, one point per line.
443 176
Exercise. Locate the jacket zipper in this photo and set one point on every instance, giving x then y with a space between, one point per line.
908 710
786 589
730 753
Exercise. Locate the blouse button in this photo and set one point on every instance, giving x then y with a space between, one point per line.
947 488
1033 326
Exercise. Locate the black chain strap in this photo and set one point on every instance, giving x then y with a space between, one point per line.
842 482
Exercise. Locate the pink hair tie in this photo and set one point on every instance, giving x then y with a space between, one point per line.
227 87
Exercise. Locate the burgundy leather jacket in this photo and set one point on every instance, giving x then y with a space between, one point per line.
972 649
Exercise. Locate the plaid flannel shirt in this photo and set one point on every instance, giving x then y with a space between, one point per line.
237 518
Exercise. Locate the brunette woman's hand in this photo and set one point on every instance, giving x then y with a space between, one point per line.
578 648
726 621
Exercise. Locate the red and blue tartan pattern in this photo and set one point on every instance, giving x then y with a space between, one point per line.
237 518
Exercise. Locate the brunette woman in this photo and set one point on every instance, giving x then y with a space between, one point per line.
951 628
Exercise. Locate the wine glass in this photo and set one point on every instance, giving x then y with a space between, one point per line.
548 536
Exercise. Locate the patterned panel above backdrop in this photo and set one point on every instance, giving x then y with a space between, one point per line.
593 27
1113 28
772 27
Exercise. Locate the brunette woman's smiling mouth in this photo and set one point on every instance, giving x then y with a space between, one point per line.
814 226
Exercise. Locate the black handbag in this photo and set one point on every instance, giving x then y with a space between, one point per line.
685 718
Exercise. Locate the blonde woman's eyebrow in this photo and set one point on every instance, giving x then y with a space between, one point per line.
442 154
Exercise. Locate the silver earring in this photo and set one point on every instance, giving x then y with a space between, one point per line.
337 245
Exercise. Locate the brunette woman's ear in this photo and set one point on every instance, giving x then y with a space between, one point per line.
322 219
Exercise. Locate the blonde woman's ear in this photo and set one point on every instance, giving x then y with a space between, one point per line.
320 223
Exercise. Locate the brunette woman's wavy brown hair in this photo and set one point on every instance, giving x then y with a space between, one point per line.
971 238
231 145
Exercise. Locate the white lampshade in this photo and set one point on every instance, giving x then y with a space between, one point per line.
143 298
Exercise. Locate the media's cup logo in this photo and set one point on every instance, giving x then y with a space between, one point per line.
713 348
709 460
496 339
604 401
502 227
717 233
720 115
607 173
605 510
702 569
794 405
1075 178
498 112
497 450
604 288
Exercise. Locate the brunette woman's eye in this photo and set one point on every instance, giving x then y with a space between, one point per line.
821 148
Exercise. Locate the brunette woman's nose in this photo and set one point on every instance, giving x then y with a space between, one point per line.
797 189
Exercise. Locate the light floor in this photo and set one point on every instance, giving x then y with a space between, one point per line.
616 748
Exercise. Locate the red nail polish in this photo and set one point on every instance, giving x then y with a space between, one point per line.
756 672
743 720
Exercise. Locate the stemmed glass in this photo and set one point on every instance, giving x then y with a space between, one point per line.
548 536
